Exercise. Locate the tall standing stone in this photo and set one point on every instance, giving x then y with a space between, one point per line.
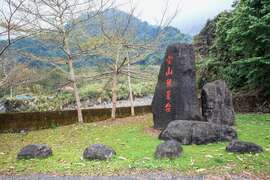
217 104
175 94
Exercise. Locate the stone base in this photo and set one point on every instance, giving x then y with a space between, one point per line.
197 132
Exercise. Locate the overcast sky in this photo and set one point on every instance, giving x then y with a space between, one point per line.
192 14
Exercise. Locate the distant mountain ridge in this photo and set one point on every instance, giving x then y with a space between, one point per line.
144 30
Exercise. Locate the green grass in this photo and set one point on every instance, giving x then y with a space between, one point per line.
135 149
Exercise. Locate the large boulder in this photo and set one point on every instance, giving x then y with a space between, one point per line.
169 149
243 147
34 151
98 152
175 94
197 132
217 104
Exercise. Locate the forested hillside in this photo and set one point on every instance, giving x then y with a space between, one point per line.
92 28
235 46
98 45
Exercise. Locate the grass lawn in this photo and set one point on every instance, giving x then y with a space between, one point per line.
135 145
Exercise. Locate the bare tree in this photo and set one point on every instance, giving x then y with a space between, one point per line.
120 44
16 74
12 29
54 21
12 26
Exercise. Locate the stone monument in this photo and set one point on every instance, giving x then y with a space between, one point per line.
175 94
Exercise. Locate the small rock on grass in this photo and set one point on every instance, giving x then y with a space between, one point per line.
98 152
169 149
35 151
243 147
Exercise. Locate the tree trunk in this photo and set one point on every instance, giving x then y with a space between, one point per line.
76 92
130 89
72 74
114 95
114 84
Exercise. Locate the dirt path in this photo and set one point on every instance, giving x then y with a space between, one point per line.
44 177
147 177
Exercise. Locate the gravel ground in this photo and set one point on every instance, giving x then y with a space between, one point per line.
125 103
94 104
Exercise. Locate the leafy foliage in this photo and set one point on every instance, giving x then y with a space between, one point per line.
242 46
205 39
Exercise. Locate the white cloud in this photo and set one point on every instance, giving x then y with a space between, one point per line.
192 13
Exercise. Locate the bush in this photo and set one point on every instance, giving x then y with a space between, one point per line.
97 90
240 50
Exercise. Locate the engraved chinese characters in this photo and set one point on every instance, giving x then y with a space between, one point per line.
175 94
169 74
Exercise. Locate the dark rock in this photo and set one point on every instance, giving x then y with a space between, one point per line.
34 151
243 147
217 104
179 93
204 133
179 131
168 149
98 152
197 132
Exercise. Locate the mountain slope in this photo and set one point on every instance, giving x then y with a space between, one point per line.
92 28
